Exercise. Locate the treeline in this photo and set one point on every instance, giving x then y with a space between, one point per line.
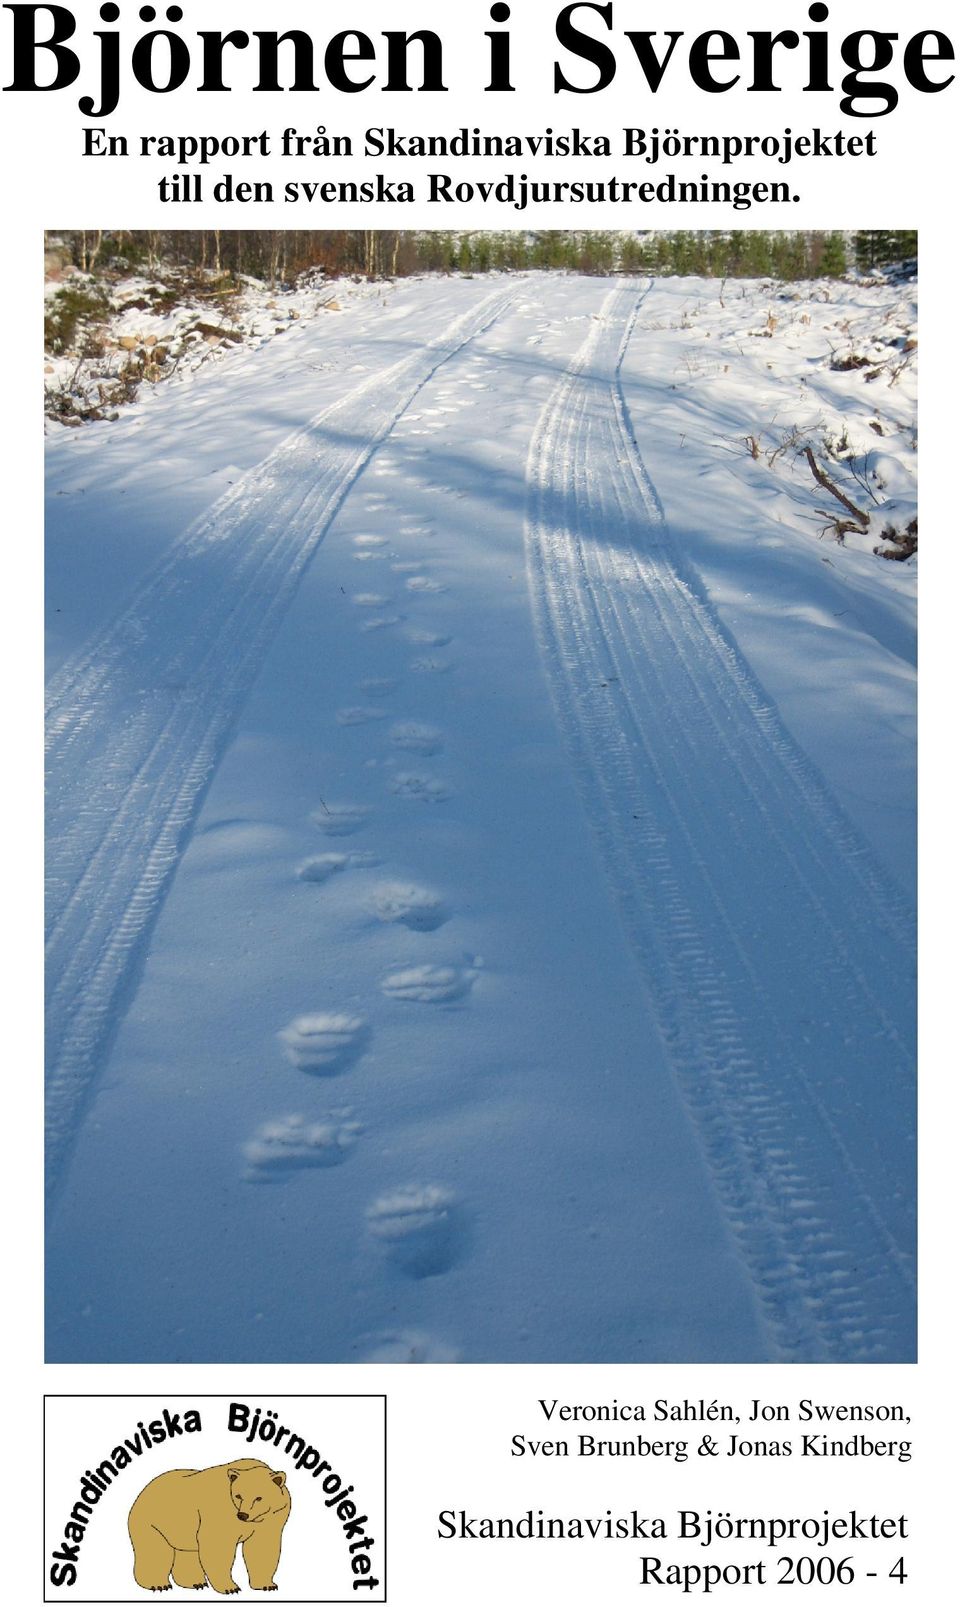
280 256
877 248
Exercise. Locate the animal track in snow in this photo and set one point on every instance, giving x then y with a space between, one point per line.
409 905
421 638
291 1144
324 1043
366 547
419 1227
429 984
382 622
413 737
340 820
322 866
359 716
425 789
429 665
424 585
377 686
408 1345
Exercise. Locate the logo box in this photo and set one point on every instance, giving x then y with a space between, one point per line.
240 1494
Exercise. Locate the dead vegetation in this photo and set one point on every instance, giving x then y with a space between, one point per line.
859 519
900 544
856 505
92 323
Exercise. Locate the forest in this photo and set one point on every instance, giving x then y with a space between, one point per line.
280 256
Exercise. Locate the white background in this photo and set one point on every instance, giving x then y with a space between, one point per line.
450 1428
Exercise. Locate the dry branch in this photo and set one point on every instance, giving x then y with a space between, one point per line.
862 518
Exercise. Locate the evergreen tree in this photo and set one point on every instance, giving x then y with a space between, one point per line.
833 259
872 247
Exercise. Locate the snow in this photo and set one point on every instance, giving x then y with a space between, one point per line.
482 809
811 617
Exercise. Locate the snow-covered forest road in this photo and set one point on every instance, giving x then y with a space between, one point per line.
137 723
478 913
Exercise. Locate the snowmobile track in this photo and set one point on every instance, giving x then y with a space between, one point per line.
777 958
138 721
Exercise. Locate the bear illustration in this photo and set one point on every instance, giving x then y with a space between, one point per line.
190 1522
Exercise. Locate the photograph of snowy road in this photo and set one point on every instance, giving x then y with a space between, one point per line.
481 830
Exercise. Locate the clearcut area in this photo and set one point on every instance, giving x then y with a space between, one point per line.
481 835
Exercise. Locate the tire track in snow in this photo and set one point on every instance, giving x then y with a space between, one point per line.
777 958
137 722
